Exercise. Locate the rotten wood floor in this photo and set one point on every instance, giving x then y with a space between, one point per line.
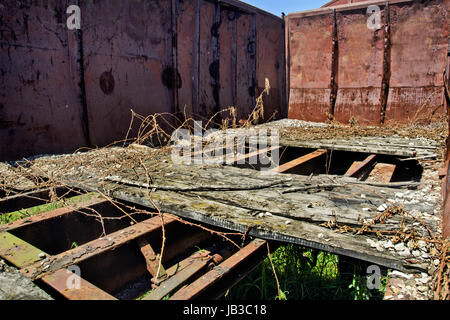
341 214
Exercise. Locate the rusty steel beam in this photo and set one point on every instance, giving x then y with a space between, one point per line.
299 161
358 167
96 247
200 285
51 214
86 291
179 274
152 260
32 198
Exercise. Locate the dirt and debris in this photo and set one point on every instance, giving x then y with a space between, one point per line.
15 286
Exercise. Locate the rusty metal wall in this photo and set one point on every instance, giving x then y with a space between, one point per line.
339 68
63 89
40 99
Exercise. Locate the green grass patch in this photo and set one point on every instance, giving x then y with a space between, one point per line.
305 274
28 212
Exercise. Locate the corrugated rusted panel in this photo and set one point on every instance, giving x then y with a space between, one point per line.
270 64
188 59
128 63
418 59
227 59
207 65
244 65
40 108
360 61
310 43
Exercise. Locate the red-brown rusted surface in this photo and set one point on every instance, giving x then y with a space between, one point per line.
418 59
358 167
310 44
98 246
360 63
127 52
340 2
393 74
299 161
201 284
446 180
63 89
85 291
40 107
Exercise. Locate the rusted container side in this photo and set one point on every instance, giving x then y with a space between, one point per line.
270 64
310 46
64 89
207 66
227 59
245 65
40 104
127 63
418 59
360 65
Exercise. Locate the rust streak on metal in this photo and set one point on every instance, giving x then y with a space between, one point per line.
96 247
201 284
299 161
86 291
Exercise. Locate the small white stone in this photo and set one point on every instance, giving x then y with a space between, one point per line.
399 195
405 253
366 209
268 214
382 207
320 235
400 246
261 215
388 244
363 196
416 253
436 262
396 273
287 222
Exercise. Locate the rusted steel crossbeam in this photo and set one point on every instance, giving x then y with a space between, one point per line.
22 254
358 168
32 198
255 154
73 287
197 287
299 161
51 214
187 269
96 247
